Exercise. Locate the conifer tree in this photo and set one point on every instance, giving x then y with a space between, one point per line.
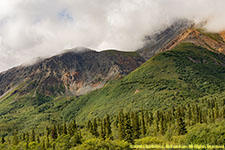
94 128
213 115
189 115
143 127
27 144
38 139
216 111
27 137
48 130
89 125
54 133
128 130
53 146
65 129
43 145
107 124
157 118
102 130
23 136
74 125
15 138
47 143
3 139
181 126
121 125
162 127
59 129
147 120
223 112
136 125
209 117
32 135
70 130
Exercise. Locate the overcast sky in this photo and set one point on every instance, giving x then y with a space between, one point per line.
39 28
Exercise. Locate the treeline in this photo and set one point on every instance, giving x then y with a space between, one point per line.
125 126
133 125
47 138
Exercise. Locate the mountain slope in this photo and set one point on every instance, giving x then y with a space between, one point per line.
72 72
187 73
211 41
155 42
36 94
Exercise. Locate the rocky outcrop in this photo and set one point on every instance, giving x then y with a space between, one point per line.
211 41
154 43
73 73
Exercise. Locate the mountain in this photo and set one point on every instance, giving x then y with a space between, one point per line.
155 42
186 65
73 73
185 74
211 41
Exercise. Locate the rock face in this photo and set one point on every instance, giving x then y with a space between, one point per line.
211 41
79 72
182 31
155 42
72 73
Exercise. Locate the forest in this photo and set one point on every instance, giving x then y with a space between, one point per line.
202 123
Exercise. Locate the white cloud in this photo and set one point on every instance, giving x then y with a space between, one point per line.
32 28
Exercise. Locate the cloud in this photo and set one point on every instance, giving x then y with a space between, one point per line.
39 28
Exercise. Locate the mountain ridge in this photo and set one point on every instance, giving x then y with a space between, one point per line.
69 66
51 90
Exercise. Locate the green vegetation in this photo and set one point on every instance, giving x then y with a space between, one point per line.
181 85
184 125
185 74
214 36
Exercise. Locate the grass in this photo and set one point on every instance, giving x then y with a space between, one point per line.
214 36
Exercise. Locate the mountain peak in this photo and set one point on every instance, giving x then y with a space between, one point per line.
211 41
74 72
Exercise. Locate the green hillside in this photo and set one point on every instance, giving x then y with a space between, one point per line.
187 73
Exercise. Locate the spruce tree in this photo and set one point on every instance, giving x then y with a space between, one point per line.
47 143
143 127
157 119
223 112
151 118
162 127
27 144
32 135
59 129
136 125
102 130
3 139
181 126
15 138
48 130
128 130
43 145
94 128
23 136
121 129
38 139
107 124
74 125
54 133
65 129
89 125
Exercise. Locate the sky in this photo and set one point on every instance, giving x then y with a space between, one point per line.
42 28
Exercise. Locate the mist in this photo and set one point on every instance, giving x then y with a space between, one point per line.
42 28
